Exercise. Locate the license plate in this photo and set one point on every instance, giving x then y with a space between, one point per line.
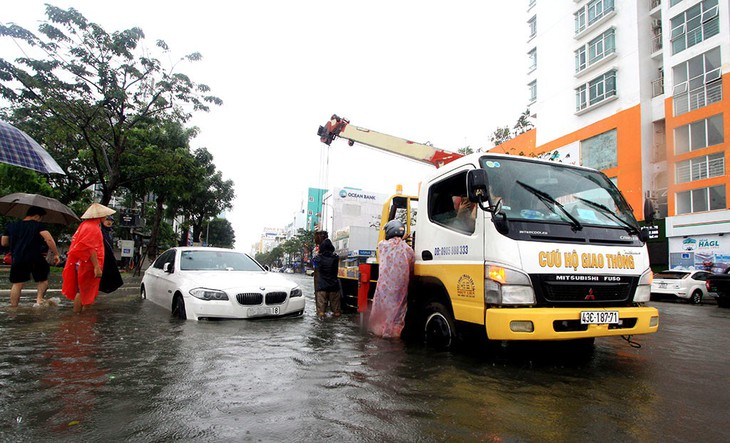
662 285
598 317
263 310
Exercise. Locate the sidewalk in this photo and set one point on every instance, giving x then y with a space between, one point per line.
54 283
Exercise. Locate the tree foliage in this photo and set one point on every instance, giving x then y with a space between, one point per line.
93 89
505 133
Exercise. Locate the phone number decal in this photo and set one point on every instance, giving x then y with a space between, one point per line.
452 250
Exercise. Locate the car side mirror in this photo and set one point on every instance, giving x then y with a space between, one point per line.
267 268
167 267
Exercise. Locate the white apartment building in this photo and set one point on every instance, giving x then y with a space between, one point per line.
639 90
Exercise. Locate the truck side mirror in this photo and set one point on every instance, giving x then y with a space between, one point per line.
644 234
477 188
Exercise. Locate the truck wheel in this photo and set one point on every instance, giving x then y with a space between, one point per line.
439 331
696 297
723 302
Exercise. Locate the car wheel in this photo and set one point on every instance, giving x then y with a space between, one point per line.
143 293
439 331
696 297
178 308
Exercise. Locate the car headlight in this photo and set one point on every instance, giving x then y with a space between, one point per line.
504 286
208 294
296 292
643 289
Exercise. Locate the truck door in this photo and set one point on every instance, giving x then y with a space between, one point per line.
450 245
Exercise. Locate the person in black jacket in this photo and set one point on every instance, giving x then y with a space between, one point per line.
328 286
111 279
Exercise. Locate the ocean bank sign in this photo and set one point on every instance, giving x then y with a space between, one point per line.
352 194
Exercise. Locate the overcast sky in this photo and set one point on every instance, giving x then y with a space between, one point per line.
444 72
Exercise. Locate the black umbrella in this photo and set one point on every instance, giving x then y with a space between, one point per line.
17 204
19 149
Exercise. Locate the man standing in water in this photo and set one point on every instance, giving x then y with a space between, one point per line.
25 239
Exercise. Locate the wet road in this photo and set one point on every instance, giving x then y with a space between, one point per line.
126 371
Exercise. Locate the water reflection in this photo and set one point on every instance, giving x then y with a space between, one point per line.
73 372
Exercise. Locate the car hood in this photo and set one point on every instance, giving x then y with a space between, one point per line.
238 280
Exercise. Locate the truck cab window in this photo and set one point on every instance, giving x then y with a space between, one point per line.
449 207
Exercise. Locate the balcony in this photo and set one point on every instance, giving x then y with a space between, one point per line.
657 87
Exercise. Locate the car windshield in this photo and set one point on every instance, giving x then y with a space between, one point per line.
671 275
217 260
557 193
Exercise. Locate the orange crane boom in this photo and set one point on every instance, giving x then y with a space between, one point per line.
340 127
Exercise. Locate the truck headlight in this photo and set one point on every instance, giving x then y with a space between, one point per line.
208 294
643 289
505 286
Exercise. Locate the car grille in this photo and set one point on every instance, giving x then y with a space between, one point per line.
249 298
275 298
256 298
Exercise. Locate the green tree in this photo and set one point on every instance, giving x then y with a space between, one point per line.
98 87
208 194
465 150
159 164
219 232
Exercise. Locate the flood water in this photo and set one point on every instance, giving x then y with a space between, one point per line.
126 371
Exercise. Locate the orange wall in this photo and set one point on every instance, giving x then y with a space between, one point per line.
723 106
628 172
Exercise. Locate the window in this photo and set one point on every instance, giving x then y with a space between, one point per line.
448 207
602 46
596 91
166 257
694 25
594 11
697 82
580 20
673 2
700 168
700 200
699 134
532 23
600 152
533 91
596 50
597 9
581 61
532 56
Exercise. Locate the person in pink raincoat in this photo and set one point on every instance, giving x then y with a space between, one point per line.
396 259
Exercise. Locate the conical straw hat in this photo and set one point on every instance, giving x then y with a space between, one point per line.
97 211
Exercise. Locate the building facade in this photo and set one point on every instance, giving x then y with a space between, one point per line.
639 90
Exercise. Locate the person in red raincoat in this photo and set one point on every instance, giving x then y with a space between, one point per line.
82 273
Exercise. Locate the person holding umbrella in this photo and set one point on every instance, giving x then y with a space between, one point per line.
25 239
83 270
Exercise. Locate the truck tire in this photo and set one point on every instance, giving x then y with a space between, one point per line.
438 328
723 302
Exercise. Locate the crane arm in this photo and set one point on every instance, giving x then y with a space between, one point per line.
339 127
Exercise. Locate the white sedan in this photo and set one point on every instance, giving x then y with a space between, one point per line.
201 282
687 285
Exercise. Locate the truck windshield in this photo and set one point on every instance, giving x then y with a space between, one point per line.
559 193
